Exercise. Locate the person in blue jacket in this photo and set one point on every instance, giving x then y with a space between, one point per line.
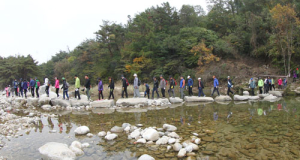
147 91
229 85
32 85
190 85
216 86
25 87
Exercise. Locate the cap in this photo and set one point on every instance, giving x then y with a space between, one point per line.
251 78
188 76
135 75
63 78
228 77
199 78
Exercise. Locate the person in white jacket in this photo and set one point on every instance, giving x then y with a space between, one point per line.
136 87
47 84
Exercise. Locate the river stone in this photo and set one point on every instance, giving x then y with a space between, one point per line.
82 130
163 140
223 98
146 157
102 134
198 141
173 135
253 97
181 153
46 107
175 100
198 99
124 125
78 103
135 133
60 102
276 93
171 140
116 129
76 148
132 102
270 98
246 93
57 151
103 104
240 98
142 140
169 127
111 136
177 146
263 95
189 148
150 134
33 101
20 100
44 101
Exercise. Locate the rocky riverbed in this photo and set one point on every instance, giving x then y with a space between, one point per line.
218 130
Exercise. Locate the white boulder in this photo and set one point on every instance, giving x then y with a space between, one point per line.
146 157
102 134
82 130
175 100
181 153
103 104
223 98
111 136
150 134
198 99
169 127
57 151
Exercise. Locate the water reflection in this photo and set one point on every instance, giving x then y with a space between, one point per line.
235 126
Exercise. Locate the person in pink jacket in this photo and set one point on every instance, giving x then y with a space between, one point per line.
279 83
57 86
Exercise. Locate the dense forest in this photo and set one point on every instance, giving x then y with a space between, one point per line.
170 41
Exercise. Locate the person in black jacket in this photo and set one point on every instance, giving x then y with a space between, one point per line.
172 86
65 88
200 87
111 87
87 86
124 86
155 87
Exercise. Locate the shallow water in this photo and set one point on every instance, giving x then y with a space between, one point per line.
244 131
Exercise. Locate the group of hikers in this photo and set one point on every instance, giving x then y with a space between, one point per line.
22 86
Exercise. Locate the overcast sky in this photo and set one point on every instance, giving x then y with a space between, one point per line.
44 27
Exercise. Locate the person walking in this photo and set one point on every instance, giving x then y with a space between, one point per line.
279 83
266 86
216 86
125 84
25 87
32 86
295 76
47 84
200 88
100 89
65 88
270 83
21 88
147 91
260 85
190 85
273 83
37 87
181 87
111 87
136 85
155 87
162 86
16 87
57 86
252 86
172 86
229 86
87 86
77 87
9 90
6 90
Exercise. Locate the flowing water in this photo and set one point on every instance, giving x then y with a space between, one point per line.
249 130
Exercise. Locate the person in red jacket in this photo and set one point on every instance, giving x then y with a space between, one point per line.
57 86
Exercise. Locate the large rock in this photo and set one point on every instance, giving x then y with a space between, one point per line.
240 98
33 101
20 100
135 133
76 147
223 98
60 102
270 98
78 103
246 93
276 93
57 151
181 153
47 107
158 102
132 102
263 95
175 100
177 147
117 129
103 104
169 127
82 130
163 140
150 134
44 101
111 136
103 110
253 98
146 157
198 99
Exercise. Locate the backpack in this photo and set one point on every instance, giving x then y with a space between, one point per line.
175 82
139 82
22 84
38 84
49 83
166 82
67 85
127 84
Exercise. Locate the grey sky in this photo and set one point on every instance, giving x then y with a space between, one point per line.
43 27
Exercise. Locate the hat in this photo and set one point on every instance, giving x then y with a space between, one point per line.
135 75
228 77
188 77
63 78
251 78
199 78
